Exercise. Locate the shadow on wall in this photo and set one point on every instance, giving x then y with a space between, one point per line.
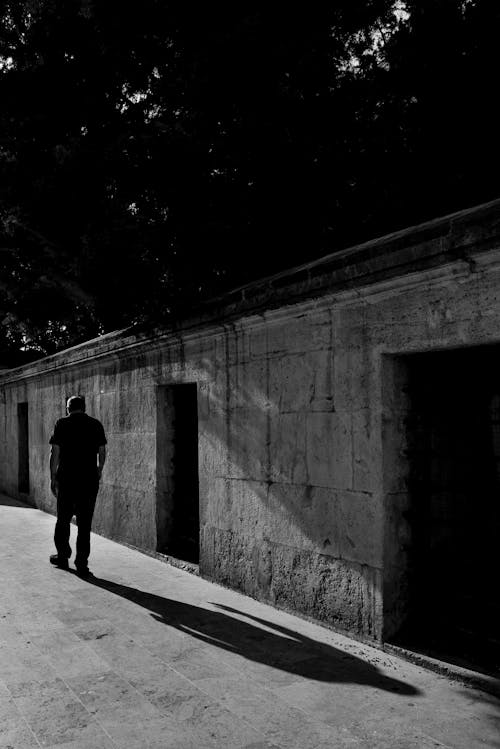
278 478
11 502
274 646
270 421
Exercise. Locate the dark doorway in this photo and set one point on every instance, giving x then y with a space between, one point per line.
453 449
177 514
23 448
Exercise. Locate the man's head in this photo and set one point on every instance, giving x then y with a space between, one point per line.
75 404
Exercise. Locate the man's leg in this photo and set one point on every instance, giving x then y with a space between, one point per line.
84 513
65 512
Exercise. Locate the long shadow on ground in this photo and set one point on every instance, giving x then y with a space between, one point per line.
274 646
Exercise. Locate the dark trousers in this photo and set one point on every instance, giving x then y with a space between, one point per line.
75 498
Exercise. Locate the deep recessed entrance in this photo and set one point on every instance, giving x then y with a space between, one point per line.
449 523
177 508
23 448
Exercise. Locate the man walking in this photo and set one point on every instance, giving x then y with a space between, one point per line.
77 458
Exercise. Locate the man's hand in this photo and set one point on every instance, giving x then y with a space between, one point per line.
54 464
101 460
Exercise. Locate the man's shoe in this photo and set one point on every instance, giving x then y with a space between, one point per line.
59 562
83 572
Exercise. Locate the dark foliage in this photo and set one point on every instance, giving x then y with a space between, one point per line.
153 154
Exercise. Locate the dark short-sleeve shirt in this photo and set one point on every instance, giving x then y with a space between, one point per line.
79 437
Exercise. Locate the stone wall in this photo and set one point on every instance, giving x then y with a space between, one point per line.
286 502
116 394
301 451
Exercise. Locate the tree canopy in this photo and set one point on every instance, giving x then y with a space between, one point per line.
155 154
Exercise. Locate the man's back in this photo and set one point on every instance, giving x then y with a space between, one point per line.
79 437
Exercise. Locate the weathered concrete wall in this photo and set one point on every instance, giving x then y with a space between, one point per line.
286 504
115 394
302 465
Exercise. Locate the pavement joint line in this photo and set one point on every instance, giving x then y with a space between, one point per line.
262 689
169 665
185 678
474 679
311 718
309 695
315 647
29 727
78 699
202 691
436 741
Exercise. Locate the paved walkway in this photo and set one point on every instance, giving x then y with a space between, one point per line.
146 655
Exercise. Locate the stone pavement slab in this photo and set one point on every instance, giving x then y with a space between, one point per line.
145 655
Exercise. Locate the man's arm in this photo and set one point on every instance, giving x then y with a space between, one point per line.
101 459
54 462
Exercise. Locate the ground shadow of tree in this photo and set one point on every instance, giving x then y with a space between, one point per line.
274 646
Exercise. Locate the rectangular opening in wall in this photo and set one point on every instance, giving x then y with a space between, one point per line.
444 518
23 448
177 501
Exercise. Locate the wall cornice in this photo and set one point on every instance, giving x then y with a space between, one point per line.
456 246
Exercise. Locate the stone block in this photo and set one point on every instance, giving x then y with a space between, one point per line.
349 394
204 401
236 560
128 378
228 349
302 382
83 382
291 382
215 393
303 517
249 382
257 342
106 377
357 377
215 502
239 506
127 411
127 514
131 460
288 449
247 444
212 450
249 507
341 593
360 521
367 451
240 388
312 331
329 450
445 315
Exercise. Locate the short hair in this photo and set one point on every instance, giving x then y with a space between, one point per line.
76 403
